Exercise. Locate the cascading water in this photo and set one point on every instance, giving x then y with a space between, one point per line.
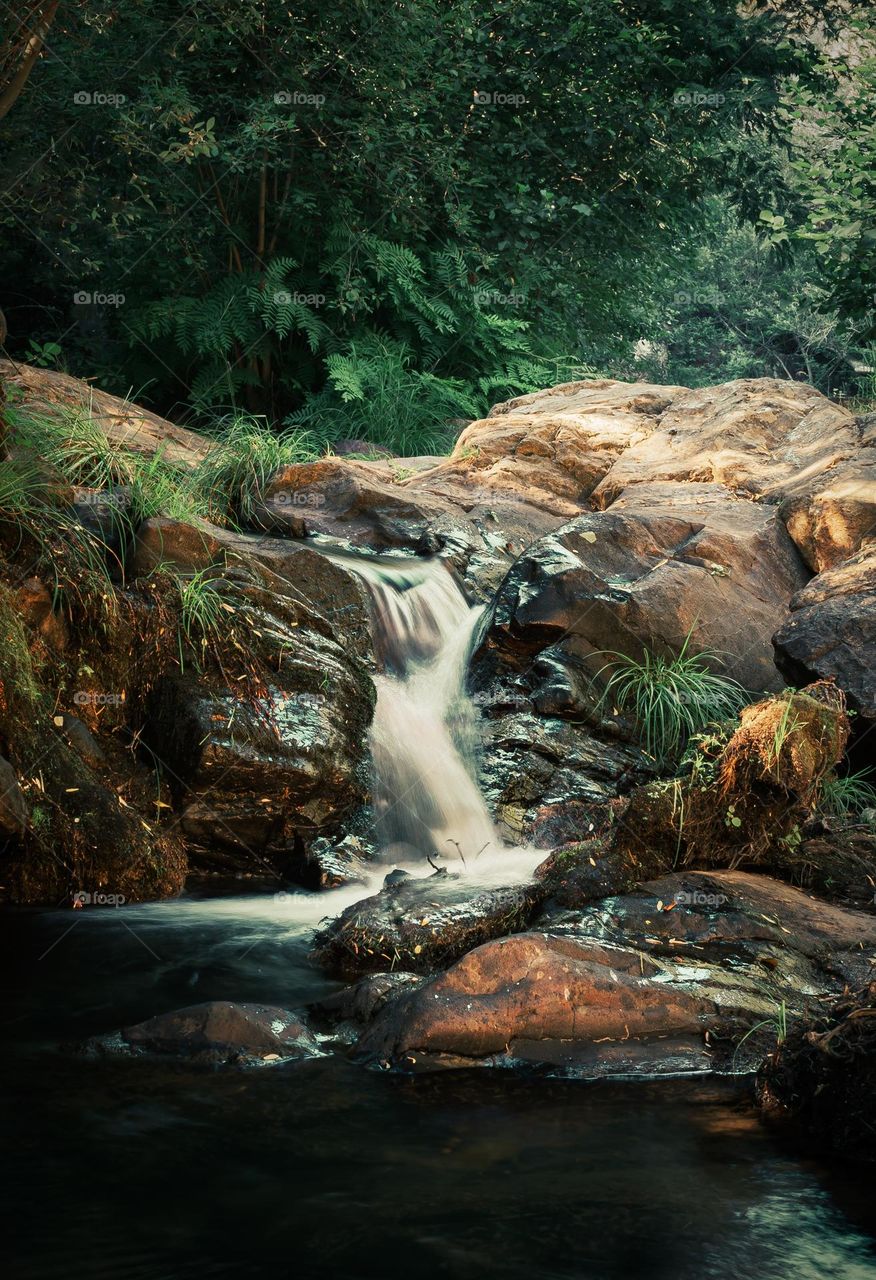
426 801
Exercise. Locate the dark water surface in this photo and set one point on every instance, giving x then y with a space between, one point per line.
323 1169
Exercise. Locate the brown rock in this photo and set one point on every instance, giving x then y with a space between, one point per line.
125 423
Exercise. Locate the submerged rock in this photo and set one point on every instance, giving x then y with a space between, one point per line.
669 978
218 1033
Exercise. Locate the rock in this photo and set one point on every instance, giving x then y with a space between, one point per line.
81 739
763 437
420 923
820 1078
14 813
549 782
280 766
347 500
578 874
124 423
288 569
360 1003
663 980
218 1033
330 864
833 521
550 449
748 790
831 632
664 563
837 861
34 602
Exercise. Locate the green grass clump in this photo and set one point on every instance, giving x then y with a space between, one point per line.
670 698
847 795
247 453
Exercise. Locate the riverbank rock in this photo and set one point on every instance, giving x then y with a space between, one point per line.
820 1078
666 979
124 423
218 1033
831 632
420 923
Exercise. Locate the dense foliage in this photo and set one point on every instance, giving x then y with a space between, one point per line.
373 218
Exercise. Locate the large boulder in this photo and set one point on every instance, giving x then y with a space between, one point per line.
669 978
666 562
831 632
761 437
549 449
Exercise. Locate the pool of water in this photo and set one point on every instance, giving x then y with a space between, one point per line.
324 1169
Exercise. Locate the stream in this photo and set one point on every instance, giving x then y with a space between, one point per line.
138 1168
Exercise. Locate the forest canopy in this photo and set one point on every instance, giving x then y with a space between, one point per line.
316 211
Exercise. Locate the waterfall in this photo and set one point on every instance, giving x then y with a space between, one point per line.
426 801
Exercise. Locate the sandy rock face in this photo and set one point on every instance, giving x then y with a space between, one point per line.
831 631
550 449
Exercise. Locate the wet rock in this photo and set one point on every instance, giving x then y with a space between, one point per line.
666 979
357 1005
330 864
287 569
14 812
578 874
281 764
831 632
80 738
665 562
419 923
836 860
548 782
218 1033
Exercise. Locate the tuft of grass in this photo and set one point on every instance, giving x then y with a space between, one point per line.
847 795
670 698
247 453
201 611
